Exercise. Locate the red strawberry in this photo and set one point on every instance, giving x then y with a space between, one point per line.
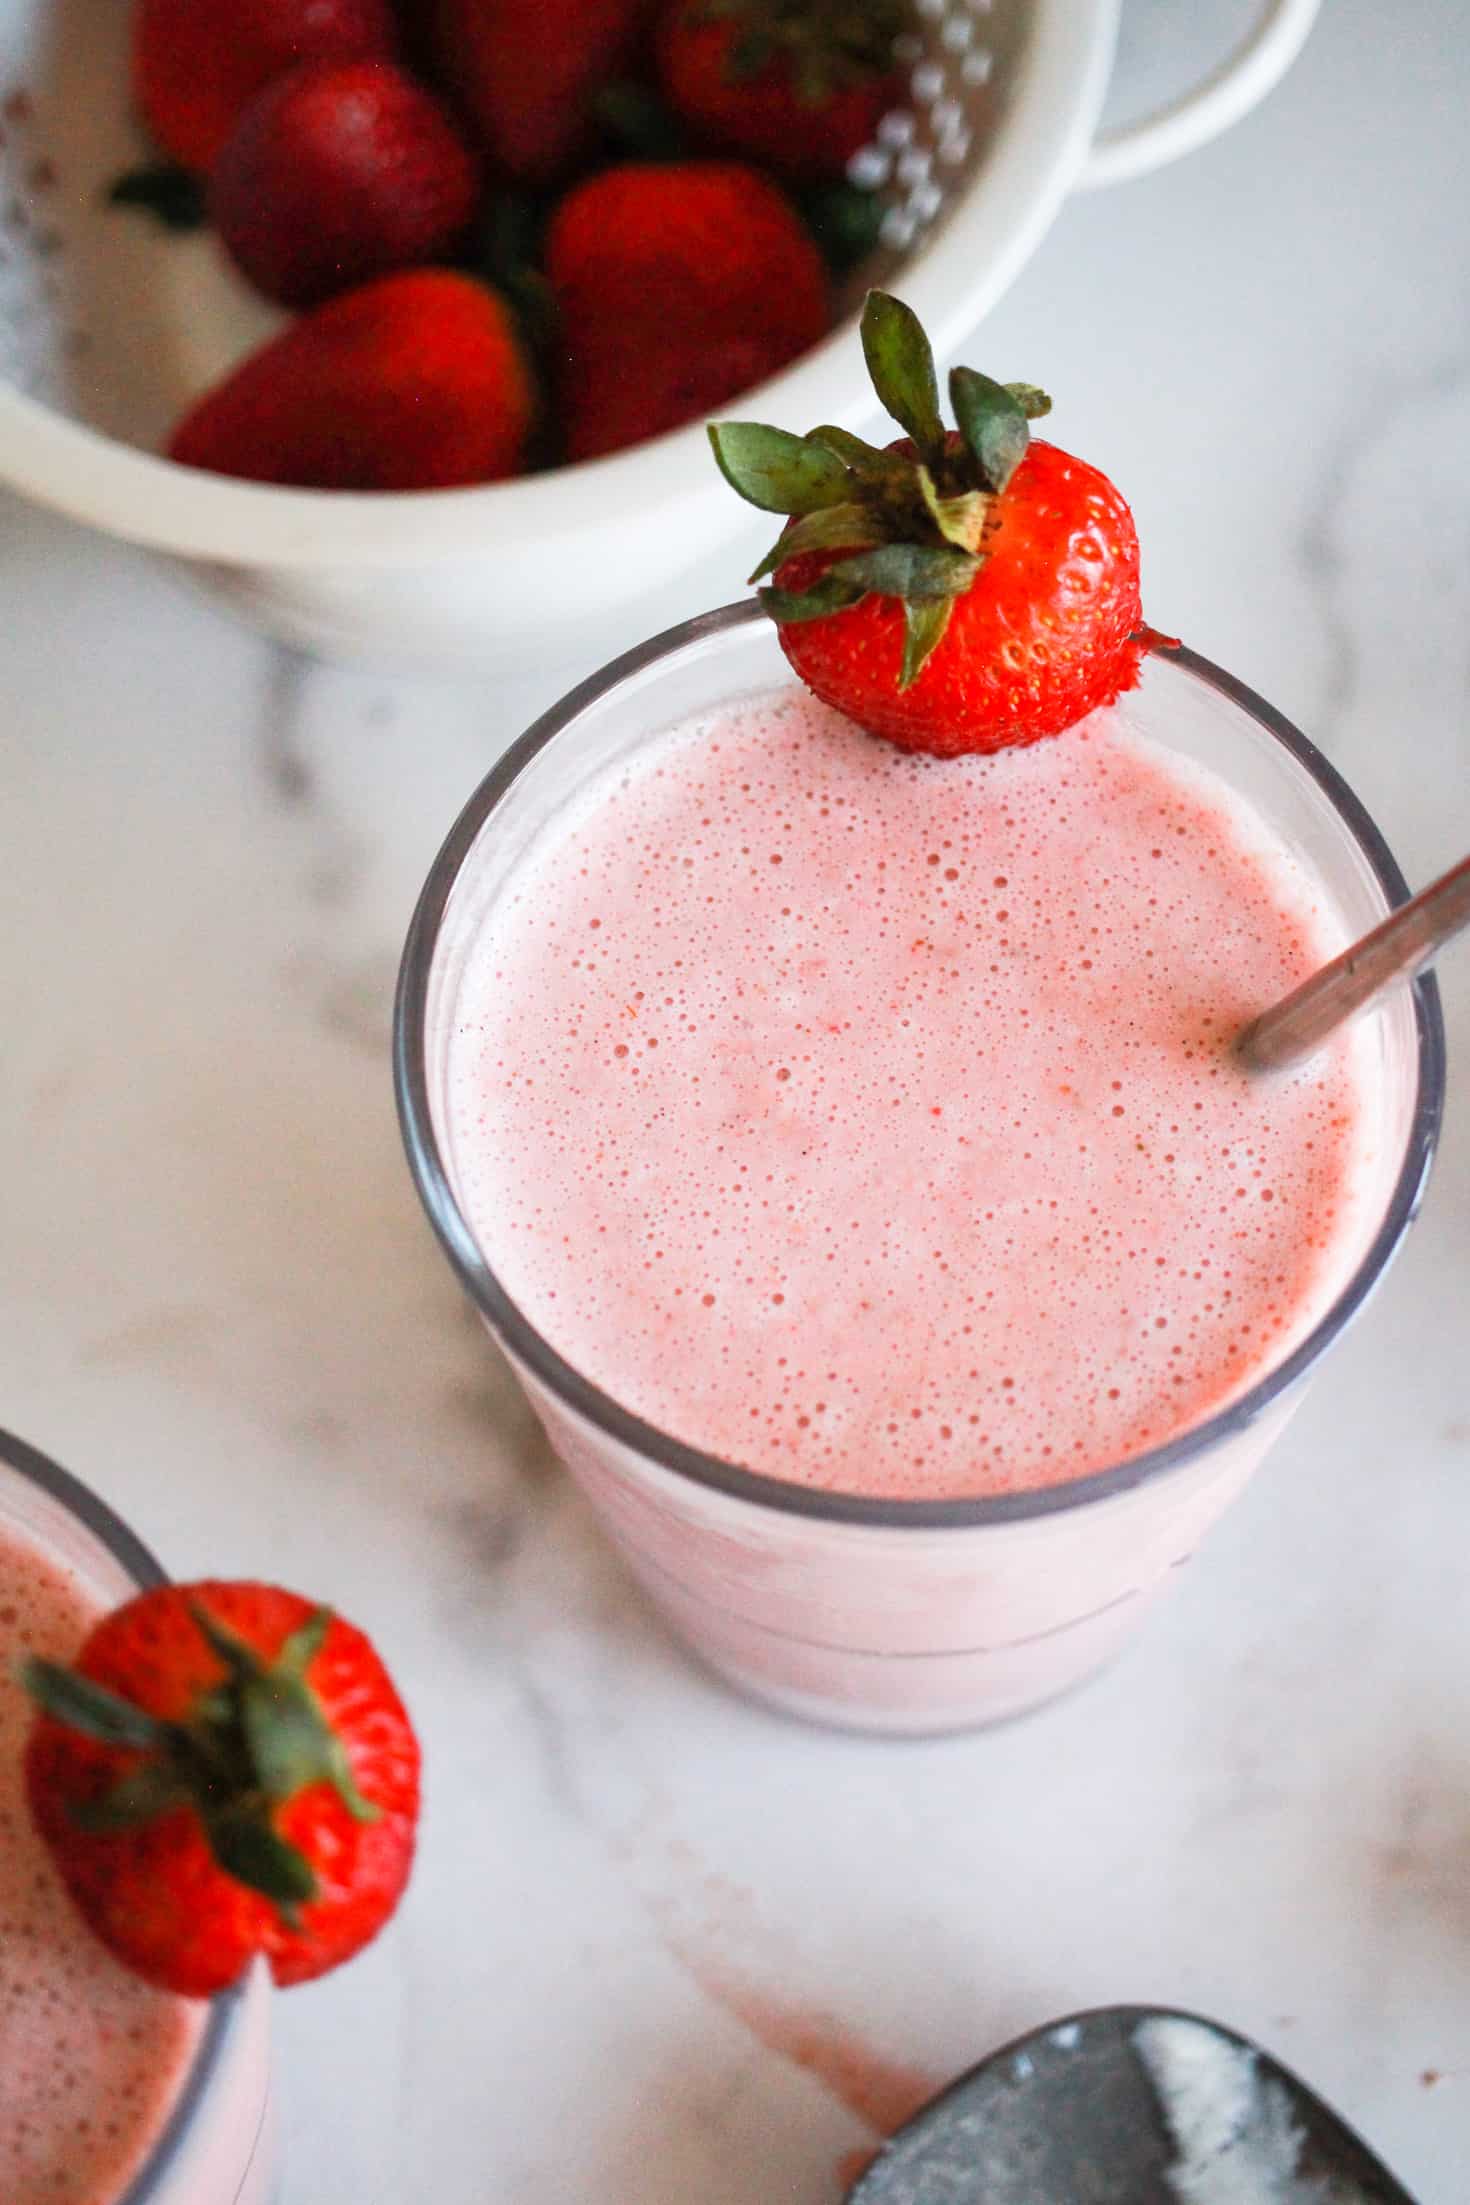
958 592
415 382
679 284
527 74
197 62
798 84
227 1771
336 173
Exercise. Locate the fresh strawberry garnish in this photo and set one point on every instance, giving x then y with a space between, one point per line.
196 63
797 84
678 283
226 1771
961 591
337 173
528 75
415 382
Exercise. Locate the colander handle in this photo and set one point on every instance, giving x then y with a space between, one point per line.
1222 98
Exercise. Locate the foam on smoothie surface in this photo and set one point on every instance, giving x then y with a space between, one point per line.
91 2058
867 1119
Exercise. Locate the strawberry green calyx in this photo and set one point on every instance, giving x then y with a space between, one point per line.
909 524
825 45
251 1742
177 198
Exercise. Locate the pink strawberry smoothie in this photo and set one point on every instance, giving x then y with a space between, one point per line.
869 1120
91 2059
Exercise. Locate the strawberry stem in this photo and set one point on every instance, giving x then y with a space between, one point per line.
253 1741
905 524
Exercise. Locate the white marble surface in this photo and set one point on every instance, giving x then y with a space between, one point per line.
219 1302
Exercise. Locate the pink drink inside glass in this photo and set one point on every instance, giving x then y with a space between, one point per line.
869 1121
91 2058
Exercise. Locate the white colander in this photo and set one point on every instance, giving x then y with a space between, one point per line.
108 326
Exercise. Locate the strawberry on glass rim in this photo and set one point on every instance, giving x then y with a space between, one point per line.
962 590
226 1771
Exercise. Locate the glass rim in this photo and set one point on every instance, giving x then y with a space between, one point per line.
606 1414
146 1571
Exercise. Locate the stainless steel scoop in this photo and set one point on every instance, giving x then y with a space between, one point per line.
1128 2105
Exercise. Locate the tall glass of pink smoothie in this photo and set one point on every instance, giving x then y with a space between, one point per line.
846 1150
111 2092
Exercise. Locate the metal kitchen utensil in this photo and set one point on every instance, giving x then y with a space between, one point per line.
1294 1028
1128 2105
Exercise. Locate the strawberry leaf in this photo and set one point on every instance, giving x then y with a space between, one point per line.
754 51
507 251
887 473
844 220
909 570
779 472
300 1650
292 1745
143 1795
286 1735
247 1848
835 528
344 1783
959 520
811 77
1032 402
240 1660
643 126
924 623
853 449
819 46
828 595
901 365
90 1708
992 422
176 198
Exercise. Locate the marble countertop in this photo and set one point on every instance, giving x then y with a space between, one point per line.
662 1945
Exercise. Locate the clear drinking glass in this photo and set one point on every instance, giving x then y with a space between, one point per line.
902 1616
218 2146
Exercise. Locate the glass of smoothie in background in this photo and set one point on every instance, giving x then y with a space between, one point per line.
111 2092
960 1584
